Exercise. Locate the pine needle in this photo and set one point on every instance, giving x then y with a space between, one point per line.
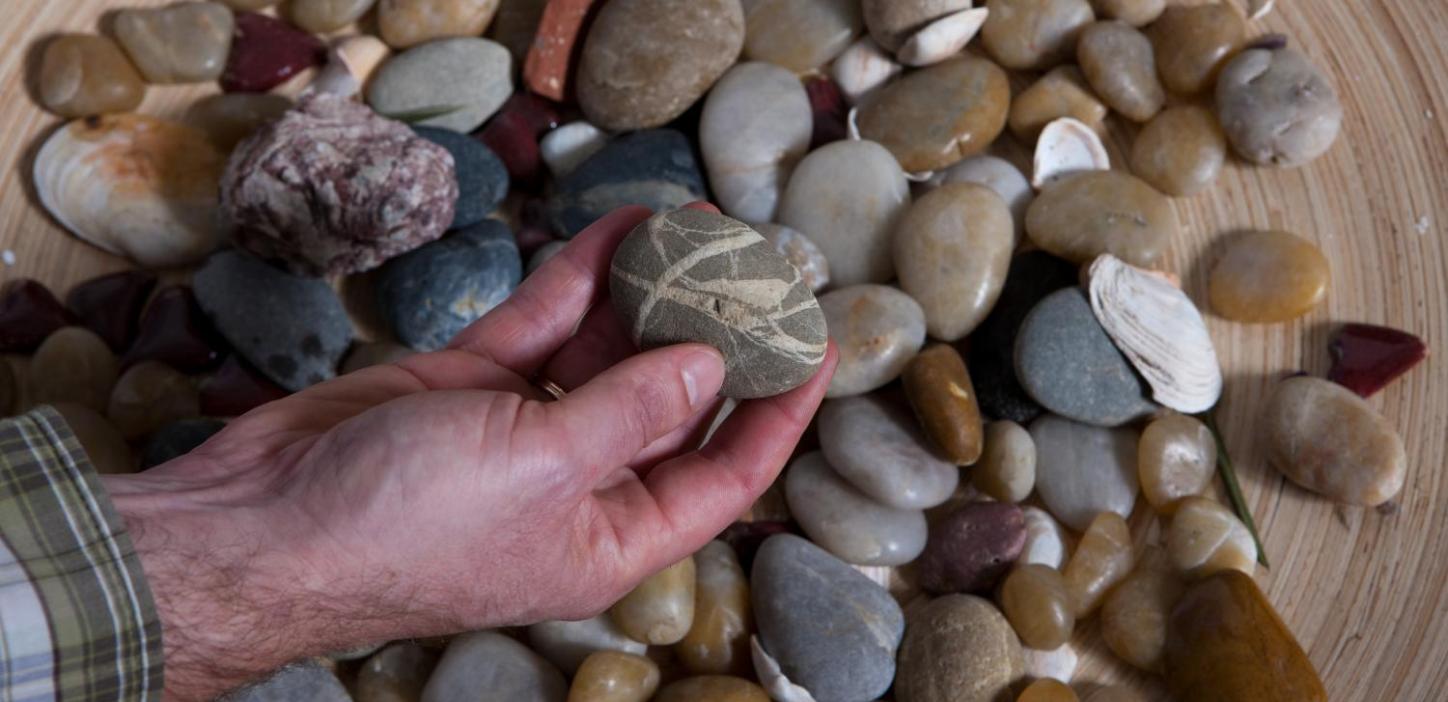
1234 489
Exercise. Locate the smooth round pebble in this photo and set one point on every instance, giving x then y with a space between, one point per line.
1277 108
404 23
567 644
1332 442
878 449
454 84
610 676
150 395
1007 467
1176 458
1004 178
1180 151
847 196
1267 277
1205 537
878 330
800 251
82 75
660 610
308 681
1083 470
936 116
482 178
323 16
800 35
938 387
185 42
932 668
1193 42
1034 34
952 252
845 521
430 294
178 439
1033 598
755 127
73 365
1120 64
1060 93
712 688
1048 691
488 664
971 549
1086 215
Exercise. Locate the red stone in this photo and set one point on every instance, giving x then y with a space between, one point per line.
175 332
513 135
29 312
830 111
746 538
111 305
554 54
1365 357
265 52
237 388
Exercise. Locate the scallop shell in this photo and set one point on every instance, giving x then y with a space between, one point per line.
942 38
861 68
1067 146
1161 332
773 679
136 186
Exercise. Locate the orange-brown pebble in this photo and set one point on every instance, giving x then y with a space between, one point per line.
939 115
1102 559
1134 615
1193 42
939 388
1034 34
1181 151
1119 63
1176 457
83 75
660 610
1061 93
1328 440
1205 537
1048 690
712 688
1225 642
1268 276
612 676
718 641
1034 599
1085 215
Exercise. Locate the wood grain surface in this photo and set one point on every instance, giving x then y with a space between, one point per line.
1366 591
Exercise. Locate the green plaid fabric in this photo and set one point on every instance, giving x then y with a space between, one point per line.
76 618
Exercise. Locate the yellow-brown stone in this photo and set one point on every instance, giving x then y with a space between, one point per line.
1269 276
1061 93
939 388
936 116
612 676
1193 42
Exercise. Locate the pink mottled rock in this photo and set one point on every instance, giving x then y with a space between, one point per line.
266 52
555 47
332 188
513 135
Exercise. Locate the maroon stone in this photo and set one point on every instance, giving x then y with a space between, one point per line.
972 548
830 111
175 332
513 135
266 52
533 229
29 312
111 305
746 538
1365 357
237 388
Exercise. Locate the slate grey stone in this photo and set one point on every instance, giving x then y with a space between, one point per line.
693 276
293 329
430 294
832 630
486 665
654 168
847 522
991 358
472 75
1067 363
177 439
482 177
307 682
879 449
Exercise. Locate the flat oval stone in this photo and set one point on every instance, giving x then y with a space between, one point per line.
150 395
832 630
878 330
847 197
971 549
892 22
1120 64
73 365
482 179
800 251
755 127
567 644
647 61
1034 599
991 357
878 449
178 439
610 676
405 23
932 668
1268 276
718 640
952 252
693 276
1086 215
936 116
660 610
293 329
430 294
939 389
182 43
1001 176
1007 467
175 331
1083 470
397 673
654 168
237 388
488 664
29 313
83 75
101 440
111 305
1330 441
452 84
323 16
1066 362
308 682
712 688
1180 151
1034 34
266 52
846 522
800 35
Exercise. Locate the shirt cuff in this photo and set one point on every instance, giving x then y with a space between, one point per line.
77 621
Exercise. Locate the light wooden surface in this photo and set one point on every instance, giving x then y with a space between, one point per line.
1365 591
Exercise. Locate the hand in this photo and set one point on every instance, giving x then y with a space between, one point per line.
443 493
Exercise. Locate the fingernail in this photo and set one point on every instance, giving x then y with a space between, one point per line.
703 373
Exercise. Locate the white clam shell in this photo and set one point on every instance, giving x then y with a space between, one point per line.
136 186
1160 331
942 38
778 686
861 68
1067 146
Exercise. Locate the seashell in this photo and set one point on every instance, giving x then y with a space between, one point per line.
1160 331
942 38
1056 664
861 68
1257 9
564 148
350 63
773 680
1067 146
136 186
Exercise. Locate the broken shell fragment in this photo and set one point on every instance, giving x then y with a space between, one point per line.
942 38
1067 146
350 63
1160 331
862 68
775 682
1257 9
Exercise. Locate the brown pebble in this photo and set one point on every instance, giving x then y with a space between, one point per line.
74 365
1120 64
1269 276
613 676
718 640
150 395
1034 599
1134 615
84 75
102 442
712 688
939 388
1181 151
1086 215
1034 34
1061 93
1193 42
1048 690
1102 559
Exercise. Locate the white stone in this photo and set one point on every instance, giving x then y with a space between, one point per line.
755 127
862 68
1045 539
569 145
1056 664
847 522
566 644
942 38
847 197
1084 470
1001 176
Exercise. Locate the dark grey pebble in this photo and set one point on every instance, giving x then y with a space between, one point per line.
991 357
654 168
482 178
430 294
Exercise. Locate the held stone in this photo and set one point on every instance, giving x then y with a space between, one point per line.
846 522
939 389
454 84
1082 470
878 449
878 330
654 168
406 23
932 668
87 75
660 610
800 35
939 115
488 664
1328 440
182 43
847 196
952 252
755 127
430 294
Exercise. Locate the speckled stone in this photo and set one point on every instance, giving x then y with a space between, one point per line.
1083 470
307 682
755 127
936 116
178 439
487 664
800 35
879 450
482 179
847 522
932 667
431 294
688 275
878 330
465 78
654 168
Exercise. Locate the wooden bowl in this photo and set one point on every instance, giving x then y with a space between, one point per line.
1366 591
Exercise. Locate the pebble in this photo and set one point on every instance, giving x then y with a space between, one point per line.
568 146
1007 468
847 196
1098 212
111 305
1062 92
952 251
555 46
939 389
878 330
374 353
862 68
1134 615
429 295
943 38
307 682
454 84
610 676
718 640
252 5
845 521
516 25
482 179
1046 540
487 664
229 118
892 22
542 256
514 135
774 681
175 332
266 52
693 276
236 389
756 125
567 644
1056 664
660 610
293 329
800 35
1004 178
83 75
1034 599
101 440
1366 357
800 251
932 668
647 61
1048 691
1137 13
991 357
177 439
1114 693
407 23
936 116
1330 441
1193 42
1277 108
972 548
712 688
1083 470
1180 151
1034 34
397 673
654 168
73 365
186 42
1068 364
1120 64
831 112
323 16
1268 277
150 395
1176 458
878 449
832 630
29 313
351 63
1205 537
1101 561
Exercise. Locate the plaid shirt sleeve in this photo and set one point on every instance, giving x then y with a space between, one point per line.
76 618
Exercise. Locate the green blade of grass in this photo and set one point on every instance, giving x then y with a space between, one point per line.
422 113
1234 489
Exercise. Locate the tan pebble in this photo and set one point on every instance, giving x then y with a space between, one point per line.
938 386
1332 442
712 688
405 23
1102 559
101 441
323 16
1061 93
1268 276
800 35
718 640
931 667
611 676
1176 458
1181 151
1193 42
1136 13
891 22
1007 468
1035 601
1034 34
1098 212
186 42
952 252
1048 691
661 609
83 75
1134 615
73 364
150 395
1120 65
1204 537
936 116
